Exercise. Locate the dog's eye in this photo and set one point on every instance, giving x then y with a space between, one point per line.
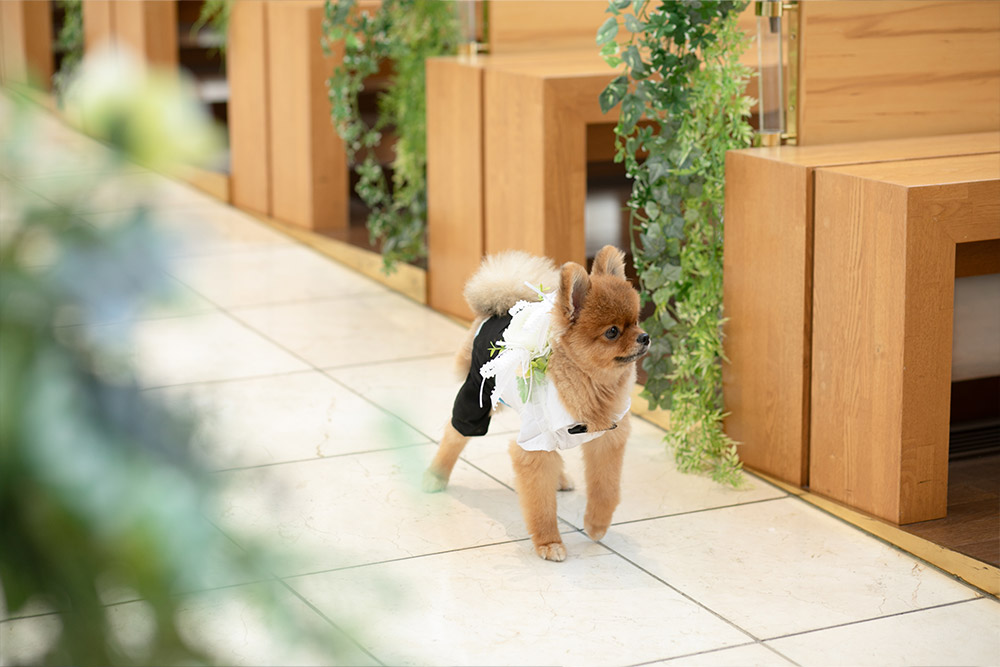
611 333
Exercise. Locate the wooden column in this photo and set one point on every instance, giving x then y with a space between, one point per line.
98 23
455 219
309 175
249 106
884 281
26 42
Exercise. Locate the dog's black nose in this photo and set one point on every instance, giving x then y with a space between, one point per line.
643 339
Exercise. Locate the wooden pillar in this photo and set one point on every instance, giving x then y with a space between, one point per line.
249 106
149 28
98 23
309 175
26 42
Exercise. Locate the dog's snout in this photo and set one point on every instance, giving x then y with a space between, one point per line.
643 339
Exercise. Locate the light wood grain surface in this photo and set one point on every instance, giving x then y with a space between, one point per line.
26 42
901 68
767 288
455 228
249 106
309 177
884 270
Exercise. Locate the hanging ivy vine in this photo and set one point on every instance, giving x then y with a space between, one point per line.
403 33
215 15
682 77
69 42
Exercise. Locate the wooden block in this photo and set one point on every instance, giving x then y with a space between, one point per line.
455 233
98 23
309 176
528 25
884 272
767 288
248 108
26 42
535 123
879 70
149 28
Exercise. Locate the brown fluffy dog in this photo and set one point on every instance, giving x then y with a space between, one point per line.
595 341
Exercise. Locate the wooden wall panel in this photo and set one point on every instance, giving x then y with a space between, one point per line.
530 25
26 42
901 68
455 233
249 106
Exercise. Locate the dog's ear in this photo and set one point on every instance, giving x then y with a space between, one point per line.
574 283
609 260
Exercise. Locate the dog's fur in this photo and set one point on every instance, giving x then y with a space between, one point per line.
593 374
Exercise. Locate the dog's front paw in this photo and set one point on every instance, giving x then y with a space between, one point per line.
553 551
433 482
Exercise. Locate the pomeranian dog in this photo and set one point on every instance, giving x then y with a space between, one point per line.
565 360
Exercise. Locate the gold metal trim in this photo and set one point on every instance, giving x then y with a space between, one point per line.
791 135
771 8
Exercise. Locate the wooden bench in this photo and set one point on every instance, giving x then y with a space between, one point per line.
507 156
886 240
773 207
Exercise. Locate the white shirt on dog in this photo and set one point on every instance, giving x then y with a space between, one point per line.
545 422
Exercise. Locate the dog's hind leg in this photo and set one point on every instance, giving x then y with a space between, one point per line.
537 476
565 482
437 474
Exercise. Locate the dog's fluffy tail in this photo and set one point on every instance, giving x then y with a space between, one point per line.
500 282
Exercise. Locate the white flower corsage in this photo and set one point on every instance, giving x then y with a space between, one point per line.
524 351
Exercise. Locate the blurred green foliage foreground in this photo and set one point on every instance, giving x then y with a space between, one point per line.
101 499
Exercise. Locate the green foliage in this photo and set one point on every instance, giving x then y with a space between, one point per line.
215 14
69 42
682 78
403 34
100 491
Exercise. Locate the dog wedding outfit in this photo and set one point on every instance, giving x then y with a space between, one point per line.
510 355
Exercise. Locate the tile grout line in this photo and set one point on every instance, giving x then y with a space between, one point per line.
675 658
311 366
876 618
332 623
681 593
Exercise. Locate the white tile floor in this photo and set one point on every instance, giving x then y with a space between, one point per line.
323 394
